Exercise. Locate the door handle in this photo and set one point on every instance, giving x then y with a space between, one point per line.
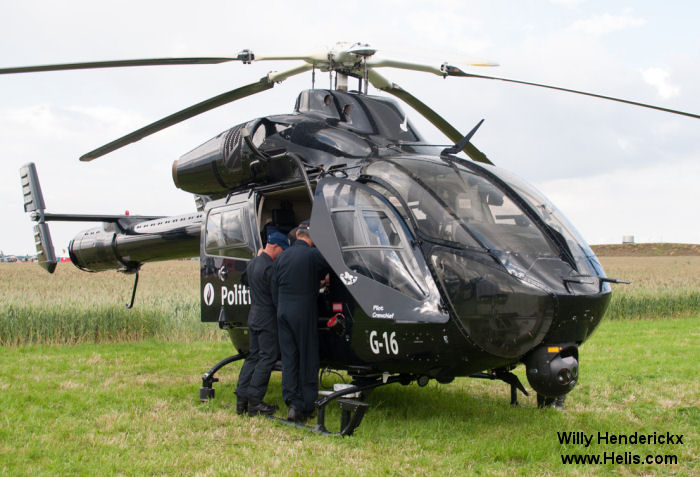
223 274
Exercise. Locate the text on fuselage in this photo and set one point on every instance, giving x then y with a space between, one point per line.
238 295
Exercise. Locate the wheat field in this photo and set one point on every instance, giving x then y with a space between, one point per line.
72 306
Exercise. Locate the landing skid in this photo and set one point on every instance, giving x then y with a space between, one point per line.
351 410
507 377
206 392
515 385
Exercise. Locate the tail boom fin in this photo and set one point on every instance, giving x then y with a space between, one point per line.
34 203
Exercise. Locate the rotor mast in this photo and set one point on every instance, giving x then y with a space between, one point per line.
342 61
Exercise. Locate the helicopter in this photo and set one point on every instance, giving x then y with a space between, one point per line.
442 267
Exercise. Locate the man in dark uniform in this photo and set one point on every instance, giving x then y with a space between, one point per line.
262 329
295 286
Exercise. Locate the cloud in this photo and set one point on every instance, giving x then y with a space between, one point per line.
46 120
655 203
568 3
606 23
659 79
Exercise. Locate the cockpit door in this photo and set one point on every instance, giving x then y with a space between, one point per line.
370 248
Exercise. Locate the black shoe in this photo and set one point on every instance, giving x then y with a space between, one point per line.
241 406
296 415
261 408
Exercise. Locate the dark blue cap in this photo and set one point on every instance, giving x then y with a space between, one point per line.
277 238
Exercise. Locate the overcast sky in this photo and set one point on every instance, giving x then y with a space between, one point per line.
612 169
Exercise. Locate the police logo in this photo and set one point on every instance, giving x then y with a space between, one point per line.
348 278
208 294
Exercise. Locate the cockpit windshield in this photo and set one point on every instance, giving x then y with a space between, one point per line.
456 207
582 253
452 204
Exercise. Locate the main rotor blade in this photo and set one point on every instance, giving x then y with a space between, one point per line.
440 70
265 83
118 64
453 71
379 82
405 65
310 58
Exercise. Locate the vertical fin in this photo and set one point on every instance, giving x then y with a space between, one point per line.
34 203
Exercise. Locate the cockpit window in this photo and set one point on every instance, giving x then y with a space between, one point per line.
453 204
432 217
373 242
553 218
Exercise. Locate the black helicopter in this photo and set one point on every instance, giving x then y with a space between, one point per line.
443 267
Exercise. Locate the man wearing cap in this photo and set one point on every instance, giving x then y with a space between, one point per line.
262 330
295 286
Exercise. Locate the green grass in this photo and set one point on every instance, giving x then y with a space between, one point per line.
132 409
76 307
661 287
121 399
72 306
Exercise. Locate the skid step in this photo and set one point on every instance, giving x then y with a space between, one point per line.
351 413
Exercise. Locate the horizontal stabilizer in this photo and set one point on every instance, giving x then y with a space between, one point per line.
47 217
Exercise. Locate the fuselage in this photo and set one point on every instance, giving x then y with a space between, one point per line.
441 266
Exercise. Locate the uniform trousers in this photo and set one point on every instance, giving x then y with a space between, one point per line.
298 339
255 373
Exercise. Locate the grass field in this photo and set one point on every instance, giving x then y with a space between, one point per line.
132 409
77 307
121 399
660 287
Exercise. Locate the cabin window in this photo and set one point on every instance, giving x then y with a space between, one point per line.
228 233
